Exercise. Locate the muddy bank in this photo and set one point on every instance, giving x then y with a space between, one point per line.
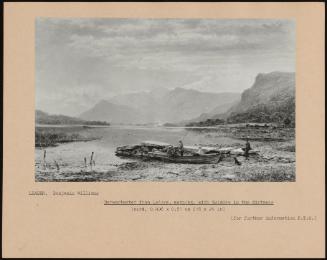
271 165
275 160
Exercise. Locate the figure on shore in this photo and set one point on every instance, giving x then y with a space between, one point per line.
247 149
92 162
181 148
57 165
44 159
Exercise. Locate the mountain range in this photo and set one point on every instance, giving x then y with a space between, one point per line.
270 99
160 106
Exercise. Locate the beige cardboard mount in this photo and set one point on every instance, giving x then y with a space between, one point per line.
49 226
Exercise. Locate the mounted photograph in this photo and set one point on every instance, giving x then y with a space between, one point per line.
164 100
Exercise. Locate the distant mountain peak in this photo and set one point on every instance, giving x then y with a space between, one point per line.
179 89
158 105
103 101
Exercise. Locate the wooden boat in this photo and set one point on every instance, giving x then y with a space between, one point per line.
157 151
152 150
190 159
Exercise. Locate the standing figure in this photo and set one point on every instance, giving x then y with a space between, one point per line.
91 160
247 149
85 163
44 159
57 165
181 148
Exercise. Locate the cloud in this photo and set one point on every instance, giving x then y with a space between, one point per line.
112 56
128 42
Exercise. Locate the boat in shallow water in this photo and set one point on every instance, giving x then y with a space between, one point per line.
157 156
153 150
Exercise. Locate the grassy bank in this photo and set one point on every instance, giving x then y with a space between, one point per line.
52 136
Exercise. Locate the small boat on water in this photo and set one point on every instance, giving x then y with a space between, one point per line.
159 151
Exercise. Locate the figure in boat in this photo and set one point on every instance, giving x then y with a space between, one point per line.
153 150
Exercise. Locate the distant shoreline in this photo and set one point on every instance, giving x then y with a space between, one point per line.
71 125
159 126
130 126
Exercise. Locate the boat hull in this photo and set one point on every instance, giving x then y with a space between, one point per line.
200 159
158 151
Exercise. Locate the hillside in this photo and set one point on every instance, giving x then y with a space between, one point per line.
270 99
47 119
116 114
185 104
216 113
271 89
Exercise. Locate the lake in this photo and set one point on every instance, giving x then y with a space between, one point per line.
70 156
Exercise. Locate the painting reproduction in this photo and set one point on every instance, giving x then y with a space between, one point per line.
164 100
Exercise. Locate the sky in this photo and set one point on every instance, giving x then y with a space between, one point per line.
82 61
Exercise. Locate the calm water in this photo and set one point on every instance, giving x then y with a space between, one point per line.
70 156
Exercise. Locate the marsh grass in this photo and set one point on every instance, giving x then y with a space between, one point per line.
52 136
